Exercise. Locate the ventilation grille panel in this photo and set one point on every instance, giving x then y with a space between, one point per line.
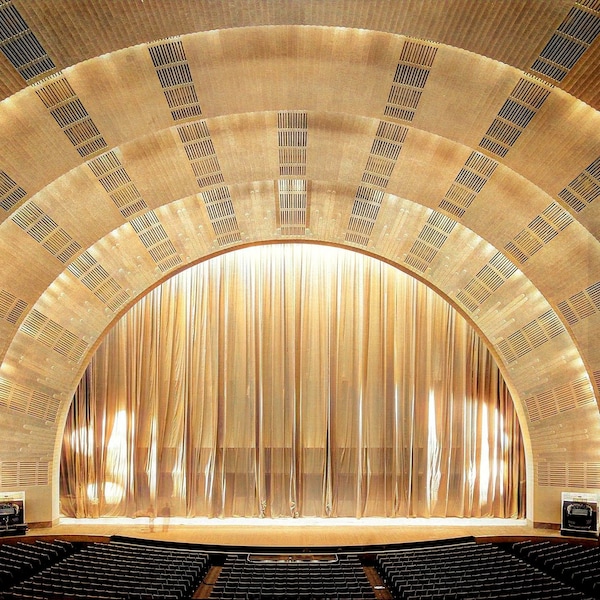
516 113
584 189
11 307
429 241
568 475
21 47
572 38
219 206
467 184
559 400
154 237
10 193
175 76
538 233
292 138
412 71
582 305
20 474
54 336
67 110
531 336
201 153
28 402
493 275
113 177
41 227
97 280
385 151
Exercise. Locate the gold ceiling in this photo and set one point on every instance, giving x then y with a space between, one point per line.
457 140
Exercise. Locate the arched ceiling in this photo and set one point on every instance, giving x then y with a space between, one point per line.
459 141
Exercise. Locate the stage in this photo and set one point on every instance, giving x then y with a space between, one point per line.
300 533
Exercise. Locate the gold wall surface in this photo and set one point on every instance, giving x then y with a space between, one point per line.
456 140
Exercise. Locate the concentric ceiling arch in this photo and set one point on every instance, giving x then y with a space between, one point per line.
471 162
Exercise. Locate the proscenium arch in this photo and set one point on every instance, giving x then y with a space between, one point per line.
447 127
289 254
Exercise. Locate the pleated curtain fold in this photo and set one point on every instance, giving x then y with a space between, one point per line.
290 381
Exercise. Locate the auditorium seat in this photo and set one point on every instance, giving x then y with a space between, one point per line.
118 571
467 570
574 564
242 578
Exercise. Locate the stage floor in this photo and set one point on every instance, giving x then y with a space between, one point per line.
304 532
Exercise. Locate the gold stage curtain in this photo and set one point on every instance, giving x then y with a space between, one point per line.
290 381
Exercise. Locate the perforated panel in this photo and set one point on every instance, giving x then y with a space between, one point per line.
201 153
51 334
582 305
10 193
175 78
564 398
11 307
521 106
541 230
565 475
584 189
467 184
490 278
429 241
154 237
412 72
385 151
27 401
42 228
571 39
20 45
68 111
531 336
19 474
95 277
115 180
292 140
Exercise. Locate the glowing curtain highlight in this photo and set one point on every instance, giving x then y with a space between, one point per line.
293 380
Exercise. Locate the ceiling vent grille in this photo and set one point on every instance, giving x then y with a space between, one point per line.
30 402
491 276
568 475
516 113
97 280
67 110
222 215
582 305
116 182
412 71
545 227
201 153
175 78
429 241
292 135
154 237
385 151
20 474
52 335
10 193
11 307
531 336
21 47
468 183
584 189
36 223
572 38
567 397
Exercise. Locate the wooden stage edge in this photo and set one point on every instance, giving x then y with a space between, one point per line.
294 533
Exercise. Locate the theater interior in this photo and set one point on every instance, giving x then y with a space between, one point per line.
423 174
